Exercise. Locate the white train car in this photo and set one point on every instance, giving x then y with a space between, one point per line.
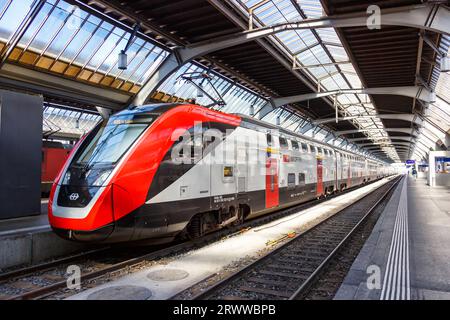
158 171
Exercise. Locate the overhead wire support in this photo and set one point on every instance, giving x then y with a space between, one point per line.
190 77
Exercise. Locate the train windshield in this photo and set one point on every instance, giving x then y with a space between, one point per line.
113 139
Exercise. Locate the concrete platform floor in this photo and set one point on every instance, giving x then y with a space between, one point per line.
30 240
162 281
407 255
26 224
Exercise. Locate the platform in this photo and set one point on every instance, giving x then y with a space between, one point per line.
30 240
407 255
26 224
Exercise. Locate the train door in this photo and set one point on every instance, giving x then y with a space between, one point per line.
337 174
242 167
202 183
272 191
319 190
223 173
349 172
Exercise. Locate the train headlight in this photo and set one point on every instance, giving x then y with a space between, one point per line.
102 178
66 178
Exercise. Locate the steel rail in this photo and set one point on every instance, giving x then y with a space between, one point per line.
212 290
301 291
11 275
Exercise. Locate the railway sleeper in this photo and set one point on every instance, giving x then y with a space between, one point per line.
266 291
269 282
282 274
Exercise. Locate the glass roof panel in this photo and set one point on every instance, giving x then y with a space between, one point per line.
443 86
63 120
330 50
69 41
13 12
437 113
328 35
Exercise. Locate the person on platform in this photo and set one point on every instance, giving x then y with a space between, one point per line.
414 173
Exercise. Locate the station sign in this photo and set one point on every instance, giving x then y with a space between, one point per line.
410 162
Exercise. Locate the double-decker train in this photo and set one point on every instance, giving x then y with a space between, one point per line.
159 171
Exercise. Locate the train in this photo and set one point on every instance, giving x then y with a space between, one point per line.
157 172
54 156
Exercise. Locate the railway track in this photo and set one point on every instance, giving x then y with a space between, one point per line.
47 279
289 271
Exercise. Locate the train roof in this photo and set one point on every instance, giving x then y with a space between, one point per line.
270 126
246 120
149 108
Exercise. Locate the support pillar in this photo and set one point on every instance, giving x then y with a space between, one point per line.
20 154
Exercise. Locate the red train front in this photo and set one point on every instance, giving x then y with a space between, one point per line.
101 193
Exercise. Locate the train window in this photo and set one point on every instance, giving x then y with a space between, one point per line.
304 147
301 179
211 138
295 145
109 143
283 143
269 139
291 180
227 171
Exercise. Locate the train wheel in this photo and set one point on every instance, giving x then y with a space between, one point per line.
195 227
240 219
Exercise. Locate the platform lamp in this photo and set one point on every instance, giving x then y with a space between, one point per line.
252 110
122 62
200 90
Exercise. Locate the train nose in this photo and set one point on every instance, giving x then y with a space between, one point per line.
82 213
97 235
76 196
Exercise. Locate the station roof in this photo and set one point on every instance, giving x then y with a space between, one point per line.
78 41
